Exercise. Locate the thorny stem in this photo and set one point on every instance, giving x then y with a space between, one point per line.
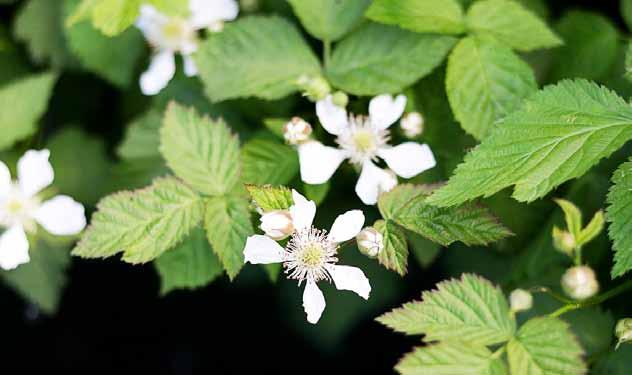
593 301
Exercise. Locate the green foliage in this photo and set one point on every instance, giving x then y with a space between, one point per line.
448 358
394 256
485 82
329 20
268 162
142 137
270 198
255 56
424 16
619 215
557 135
626 12
376 59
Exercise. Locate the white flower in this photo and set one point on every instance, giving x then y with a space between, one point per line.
580 282
297 131
412 124
520 300
310 254
169 35
370 242
21 209
362 140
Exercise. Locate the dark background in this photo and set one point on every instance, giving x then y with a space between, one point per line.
112 319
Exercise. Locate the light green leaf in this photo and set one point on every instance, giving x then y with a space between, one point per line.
394 255
190 265
545 346
376 59
329 19
270 198
469 309
202 152
572 216
227 224
142 224
449 358
471 224
511 24
593 229
423 16
276 125
27 98
486 81
268 162
261 56
557 135
619 214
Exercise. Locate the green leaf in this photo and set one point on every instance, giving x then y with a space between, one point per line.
42 280
276 125
572 215
471 224
255 56
329 19
27 98
394 255
268 162
423 16
376 59
593 327
142 137
592 230
227 224
628 62
558 135
202 152
449 358
486 81
190 265
469 309
618 362
424 250
142 224
619 214
511 24
316 193
270 198
545 346
626 12
590 46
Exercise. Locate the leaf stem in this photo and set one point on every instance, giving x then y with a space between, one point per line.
326 52
593 301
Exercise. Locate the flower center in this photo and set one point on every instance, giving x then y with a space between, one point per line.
312 255
364 141
177 33
18 209
308 252
361 140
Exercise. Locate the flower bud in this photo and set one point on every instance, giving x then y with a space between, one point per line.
315 88
297 131
564 241
580 282
340 99
623 331
412 124
520 300
370 242
277 224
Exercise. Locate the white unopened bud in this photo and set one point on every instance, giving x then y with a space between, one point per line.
370 242
216 27
412 124
623 331
520 300
277 224
564 241
296 131
580 282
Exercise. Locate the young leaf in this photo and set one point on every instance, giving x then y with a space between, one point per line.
451 357
394 255
227 225
558 135
619 214
270 198
470 223
469 309
255 56
268 162
192 264
142 224
486 81
329 19
200 151
27 99
511 24
572 215
545 346
376 59
423 16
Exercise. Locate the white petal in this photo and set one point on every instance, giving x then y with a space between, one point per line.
5 180
151 22
318 162
384 110
372 182
262 250
34 172
160 71
350 278
14 248
346 226
302 211
313 302
61 216
332 117
190 69
206 12
408 159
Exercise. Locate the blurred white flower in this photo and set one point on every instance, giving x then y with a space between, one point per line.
363 140
412 124
580 282
297 131
310 254
21 209
168 35
370 242
520 300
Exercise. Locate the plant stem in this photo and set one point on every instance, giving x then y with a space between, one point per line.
593 301
326 52
578 256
